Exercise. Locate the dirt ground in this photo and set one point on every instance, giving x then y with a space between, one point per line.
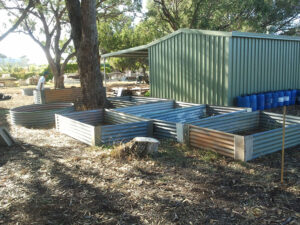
50 178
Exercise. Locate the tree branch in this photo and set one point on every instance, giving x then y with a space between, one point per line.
63 67
19 21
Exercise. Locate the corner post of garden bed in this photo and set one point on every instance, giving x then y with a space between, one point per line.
150 128
182 131
243 147
39 97
96 136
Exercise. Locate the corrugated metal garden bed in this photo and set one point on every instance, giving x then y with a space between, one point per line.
244 136
102 126
39 115
170 116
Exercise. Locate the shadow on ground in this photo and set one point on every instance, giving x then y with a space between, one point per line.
178 186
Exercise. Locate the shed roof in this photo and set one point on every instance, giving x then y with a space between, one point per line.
142 51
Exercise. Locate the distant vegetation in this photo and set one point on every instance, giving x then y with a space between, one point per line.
21 69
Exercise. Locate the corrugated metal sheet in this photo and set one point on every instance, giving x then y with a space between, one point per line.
266 131
165 117
271 141
234 122
84 126
39 115
259 65
126 101
218 141
190 67
141 109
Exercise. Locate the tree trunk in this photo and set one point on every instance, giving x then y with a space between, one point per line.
59 81
58 77
85 36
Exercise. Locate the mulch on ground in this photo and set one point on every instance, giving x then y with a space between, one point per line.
50 178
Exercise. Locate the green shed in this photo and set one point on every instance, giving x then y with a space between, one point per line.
213 67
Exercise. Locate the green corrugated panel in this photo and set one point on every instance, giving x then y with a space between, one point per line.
215 67
260 65
190 67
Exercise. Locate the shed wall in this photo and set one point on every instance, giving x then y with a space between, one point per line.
260 65
191 67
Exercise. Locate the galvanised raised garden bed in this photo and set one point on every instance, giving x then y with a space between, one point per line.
168 117
102 126
243 136
39 115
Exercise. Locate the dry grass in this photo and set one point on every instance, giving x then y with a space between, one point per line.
49 178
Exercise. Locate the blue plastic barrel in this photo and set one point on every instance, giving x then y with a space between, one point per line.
293 98
280 98
253 102
287 97
268 100
274 99
260 101
247 101
298 97
240 101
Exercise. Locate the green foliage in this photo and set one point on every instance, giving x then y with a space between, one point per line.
147 94
71 68
226 15
119 33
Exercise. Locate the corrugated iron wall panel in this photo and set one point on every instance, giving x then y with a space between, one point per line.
259 65
190 67
271 141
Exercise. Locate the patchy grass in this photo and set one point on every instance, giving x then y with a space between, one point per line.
49 178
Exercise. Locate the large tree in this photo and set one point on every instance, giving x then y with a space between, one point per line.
244 15
83 18
47 24
85 37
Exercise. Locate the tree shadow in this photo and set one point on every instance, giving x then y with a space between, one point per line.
68 200
3 117
225 186
183 186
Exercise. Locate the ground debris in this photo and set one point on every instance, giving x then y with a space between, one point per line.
49 178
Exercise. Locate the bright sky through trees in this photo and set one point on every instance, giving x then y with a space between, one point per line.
16 45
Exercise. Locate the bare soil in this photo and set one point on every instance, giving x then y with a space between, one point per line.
293 110
50 178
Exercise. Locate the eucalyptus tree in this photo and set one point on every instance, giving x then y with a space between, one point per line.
48 25
84 16
245 15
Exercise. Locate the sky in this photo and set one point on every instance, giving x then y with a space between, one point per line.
16 45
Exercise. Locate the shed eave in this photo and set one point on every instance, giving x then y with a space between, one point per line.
139 51
265 36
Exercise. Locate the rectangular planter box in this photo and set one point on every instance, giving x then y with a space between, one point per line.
169 117
57 95
243 136
96 127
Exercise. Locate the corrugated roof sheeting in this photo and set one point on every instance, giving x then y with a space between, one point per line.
190 67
